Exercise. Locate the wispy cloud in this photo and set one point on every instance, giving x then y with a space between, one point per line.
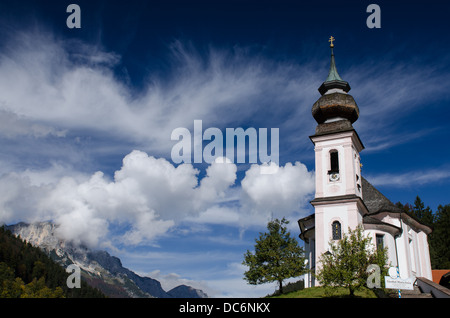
390 92
376 143
413 178
76 91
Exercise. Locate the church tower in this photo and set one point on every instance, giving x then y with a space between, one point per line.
338 201
344 199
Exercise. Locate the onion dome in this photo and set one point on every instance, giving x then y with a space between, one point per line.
335 104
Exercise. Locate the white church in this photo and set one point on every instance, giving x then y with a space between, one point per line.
344 199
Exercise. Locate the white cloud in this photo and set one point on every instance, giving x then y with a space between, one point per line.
151 196
12 125
281 193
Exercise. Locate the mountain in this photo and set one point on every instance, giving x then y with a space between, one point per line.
99 269
184 291
26 271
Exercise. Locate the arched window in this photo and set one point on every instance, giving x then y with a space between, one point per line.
334 161
336 230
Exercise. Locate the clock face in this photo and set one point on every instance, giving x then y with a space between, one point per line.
334 177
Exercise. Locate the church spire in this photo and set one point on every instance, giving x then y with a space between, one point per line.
333 74
335 104
333 80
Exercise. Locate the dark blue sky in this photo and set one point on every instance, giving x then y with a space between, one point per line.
140 31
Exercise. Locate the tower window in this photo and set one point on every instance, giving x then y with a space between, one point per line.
334 161
336 230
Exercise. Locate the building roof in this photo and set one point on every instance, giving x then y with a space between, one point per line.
371 222
333 80
334 103
333 74
375 201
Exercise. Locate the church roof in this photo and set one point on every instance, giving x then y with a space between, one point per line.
380 225
334 103
333 80
333 74
375 201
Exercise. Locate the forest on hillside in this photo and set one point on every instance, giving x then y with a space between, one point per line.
27 272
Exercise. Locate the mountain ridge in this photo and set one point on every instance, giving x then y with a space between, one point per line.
99 269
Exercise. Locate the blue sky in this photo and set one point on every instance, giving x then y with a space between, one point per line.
86 117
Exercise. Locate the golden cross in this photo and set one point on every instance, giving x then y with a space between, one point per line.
331 41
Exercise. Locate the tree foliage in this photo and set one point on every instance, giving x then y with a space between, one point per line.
277 256
346 262
440 238
27 272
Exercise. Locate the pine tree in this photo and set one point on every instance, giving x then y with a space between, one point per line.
424 215
440 242
277 256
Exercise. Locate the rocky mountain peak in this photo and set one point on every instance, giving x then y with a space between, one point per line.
99 268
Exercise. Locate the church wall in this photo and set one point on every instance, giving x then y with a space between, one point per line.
348 166
419 256
425 262
347 214
403 253
388 242
412 248
320 241
324 188
310 257
392 255
414 265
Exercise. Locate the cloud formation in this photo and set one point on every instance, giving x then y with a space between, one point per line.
149 196
66 88
281 193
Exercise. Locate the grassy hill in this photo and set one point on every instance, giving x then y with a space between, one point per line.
323 292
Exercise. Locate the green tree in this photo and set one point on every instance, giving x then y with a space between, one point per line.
440 242
424 215
346 262
277 256
38 289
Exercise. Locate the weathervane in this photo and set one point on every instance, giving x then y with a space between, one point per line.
331 41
